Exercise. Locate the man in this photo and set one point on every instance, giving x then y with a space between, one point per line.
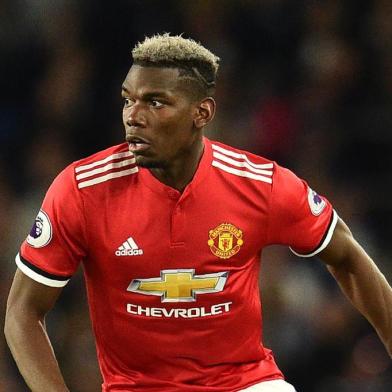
169 227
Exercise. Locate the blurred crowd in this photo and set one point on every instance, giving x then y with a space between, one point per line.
307 83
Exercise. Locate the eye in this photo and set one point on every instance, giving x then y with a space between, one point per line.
127 102
156 104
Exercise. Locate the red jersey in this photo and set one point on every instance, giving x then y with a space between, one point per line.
172 278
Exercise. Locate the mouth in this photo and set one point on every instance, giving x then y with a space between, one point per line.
137 144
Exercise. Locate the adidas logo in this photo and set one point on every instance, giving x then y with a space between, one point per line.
128 248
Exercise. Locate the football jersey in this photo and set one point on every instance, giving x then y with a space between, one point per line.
172 277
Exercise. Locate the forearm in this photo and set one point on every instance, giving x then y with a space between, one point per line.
30 346
368 290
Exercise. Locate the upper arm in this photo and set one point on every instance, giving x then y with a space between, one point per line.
298 216
51 252
343 249
29 297
56 243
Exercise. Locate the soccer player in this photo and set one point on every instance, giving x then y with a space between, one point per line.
169 227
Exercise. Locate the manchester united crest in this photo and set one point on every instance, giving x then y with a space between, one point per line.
225 240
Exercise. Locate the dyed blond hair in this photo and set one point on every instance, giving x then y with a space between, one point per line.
193 60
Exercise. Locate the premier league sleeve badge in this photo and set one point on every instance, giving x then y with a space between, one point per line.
41 232
316 203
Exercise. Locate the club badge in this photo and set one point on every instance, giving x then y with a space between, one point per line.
225 240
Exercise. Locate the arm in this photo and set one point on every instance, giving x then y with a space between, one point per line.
361 281
27 305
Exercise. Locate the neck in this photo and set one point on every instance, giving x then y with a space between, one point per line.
181 171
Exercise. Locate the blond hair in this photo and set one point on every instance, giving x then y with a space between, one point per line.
192 59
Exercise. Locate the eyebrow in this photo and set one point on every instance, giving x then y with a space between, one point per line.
149 94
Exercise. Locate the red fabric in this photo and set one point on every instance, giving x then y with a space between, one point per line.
291 221
218 346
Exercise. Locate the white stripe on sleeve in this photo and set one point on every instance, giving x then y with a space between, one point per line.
326 241
37 277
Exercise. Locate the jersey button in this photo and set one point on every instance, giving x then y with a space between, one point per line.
173 194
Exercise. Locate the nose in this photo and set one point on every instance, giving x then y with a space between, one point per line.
133 116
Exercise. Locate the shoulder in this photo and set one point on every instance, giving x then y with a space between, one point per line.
103 166
242 163
237 153
253 167
113 162
112 153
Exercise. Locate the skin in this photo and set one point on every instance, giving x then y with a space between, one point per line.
28 303
159 110
361 281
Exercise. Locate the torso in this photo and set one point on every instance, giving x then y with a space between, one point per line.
193 274
172 278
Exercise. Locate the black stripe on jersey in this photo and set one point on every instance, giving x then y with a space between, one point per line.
41 272
322 239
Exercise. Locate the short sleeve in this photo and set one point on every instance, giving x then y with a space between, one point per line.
299 217
55 245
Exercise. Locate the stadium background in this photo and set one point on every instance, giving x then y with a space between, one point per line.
307 83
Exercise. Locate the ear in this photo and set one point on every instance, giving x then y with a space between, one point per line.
205 112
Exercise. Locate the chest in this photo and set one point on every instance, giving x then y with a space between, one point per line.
207 230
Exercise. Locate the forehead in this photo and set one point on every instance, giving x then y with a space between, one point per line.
144 79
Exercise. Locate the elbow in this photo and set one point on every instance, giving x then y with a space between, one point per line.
16 321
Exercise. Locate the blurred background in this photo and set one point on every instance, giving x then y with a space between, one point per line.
307 83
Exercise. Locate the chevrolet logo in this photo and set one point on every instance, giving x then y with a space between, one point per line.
179 285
